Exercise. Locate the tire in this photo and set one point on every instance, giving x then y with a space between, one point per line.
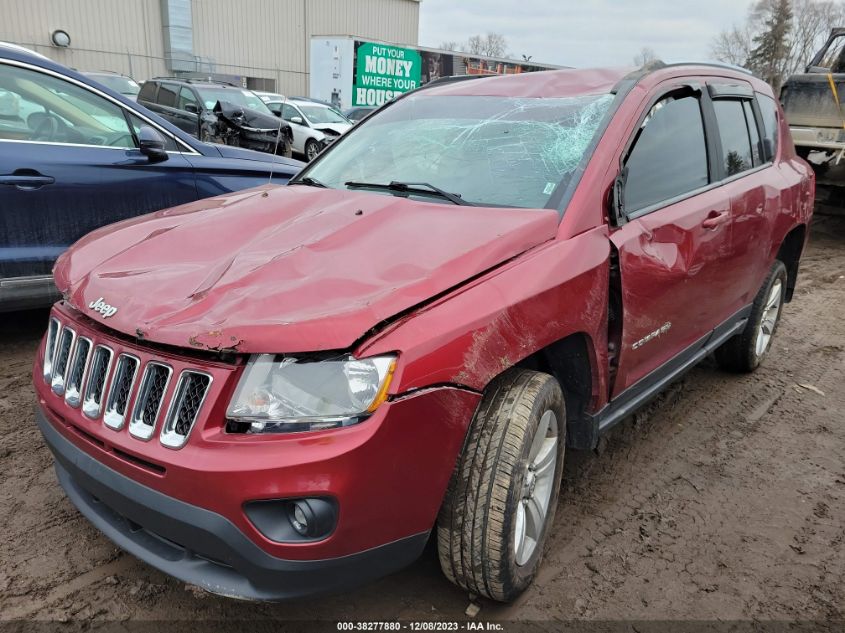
745 351
485 509
312 148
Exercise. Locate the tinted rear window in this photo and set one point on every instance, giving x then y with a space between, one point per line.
733 131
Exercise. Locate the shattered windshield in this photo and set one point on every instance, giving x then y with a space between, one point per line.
489 150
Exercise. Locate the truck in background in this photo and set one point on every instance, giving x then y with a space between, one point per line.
349 72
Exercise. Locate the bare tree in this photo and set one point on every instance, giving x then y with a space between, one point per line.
492 45
811 23
733 46
450 46
645 56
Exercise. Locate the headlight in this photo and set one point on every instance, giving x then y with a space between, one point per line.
280 394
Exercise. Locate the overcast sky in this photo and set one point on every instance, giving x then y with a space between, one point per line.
587 32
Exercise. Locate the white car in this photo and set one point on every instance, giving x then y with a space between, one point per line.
314 125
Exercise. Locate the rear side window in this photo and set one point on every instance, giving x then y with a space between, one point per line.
669 157
733 131
148 92
769 110
167 95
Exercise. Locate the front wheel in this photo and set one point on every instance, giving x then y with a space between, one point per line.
745 351
504 491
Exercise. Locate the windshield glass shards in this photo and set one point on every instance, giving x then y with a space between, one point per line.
488 150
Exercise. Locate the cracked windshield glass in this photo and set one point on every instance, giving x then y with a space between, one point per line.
488 150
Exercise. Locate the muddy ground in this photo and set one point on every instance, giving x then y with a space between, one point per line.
724 500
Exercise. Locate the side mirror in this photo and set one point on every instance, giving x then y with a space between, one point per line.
296 119
192 108
151 144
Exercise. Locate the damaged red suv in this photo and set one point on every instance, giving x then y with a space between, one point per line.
290 390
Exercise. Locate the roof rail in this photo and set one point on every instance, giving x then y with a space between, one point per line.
631 79
197 80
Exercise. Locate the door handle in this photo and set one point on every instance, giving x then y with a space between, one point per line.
26 182
715 218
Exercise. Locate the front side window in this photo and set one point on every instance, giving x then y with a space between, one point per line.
769 112
733 132
669 156
39 107
488 150
187 97
288 112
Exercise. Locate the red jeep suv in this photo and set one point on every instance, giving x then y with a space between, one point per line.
287 390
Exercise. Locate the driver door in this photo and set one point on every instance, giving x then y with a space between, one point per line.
69 164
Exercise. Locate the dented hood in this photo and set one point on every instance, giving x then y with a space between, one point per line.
286 269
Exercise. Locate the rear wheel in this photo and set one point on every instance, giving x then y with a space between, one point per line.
503 494
745 351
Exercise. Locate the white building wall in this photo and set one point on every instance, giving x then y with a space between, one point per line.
256 38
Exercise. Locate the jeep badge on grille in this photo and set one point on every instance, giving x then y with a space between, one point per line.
102 307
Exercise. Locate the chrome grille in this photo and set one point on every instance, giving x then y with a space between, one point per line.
95 386
120 391
76 371
184 408
149 400
50 348
60 360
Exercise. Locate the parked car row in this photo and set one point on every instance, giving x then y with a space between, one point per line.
76 155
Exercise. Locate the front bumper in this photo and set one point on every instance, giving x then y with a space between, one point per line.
202 547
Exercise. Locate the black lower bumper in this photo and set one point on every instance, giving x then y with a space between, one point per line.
202 547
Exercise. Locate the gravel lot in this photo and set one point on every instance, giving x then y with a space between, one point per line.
724 500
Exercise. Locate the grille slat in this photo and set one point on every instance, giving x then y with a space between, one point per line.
120 391
50 348
150 399
184 409
60 361
76 373
95 386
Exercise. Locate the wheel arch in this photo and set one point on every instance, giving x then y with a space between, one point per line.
573 363
789 253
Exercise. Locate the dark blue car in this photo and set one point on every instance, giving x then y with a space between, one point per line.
75 155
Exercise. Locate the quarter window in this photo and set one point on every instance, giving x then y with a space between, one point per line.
669 157
733 132
751 122
36 106
169 143
769 110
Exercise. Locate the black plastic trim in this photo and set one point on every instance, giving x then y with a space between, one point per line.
202 547
651 385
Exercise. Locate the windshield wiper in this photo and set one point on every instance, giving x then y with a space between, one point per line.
422 188
309 181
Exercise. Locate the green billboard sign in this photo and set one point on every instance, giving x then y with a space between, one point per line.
383 72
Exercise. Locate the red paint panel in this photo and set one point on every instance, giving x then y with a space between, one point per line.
297 269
